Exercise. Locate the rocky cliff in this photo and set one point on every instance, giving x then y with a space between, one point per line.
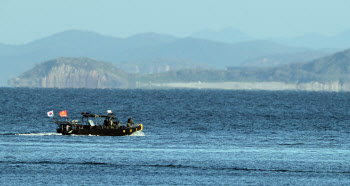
73 73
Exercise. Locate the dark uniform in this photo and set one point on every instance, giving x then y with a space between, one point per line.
105 123
130 122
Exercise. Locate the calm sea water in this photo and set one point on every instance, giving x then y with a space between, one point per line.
189 137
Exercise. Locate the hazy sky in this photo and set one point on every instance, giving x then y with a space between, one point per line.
23 21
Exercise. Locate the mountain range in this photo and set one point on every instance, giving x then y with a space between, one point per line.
310 40
317 41
327 73
330 73
226 35
147 53
332 68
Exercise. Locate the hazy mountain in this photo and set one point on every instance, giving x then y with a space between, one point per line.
210 53
227 35
148 39
308 40
148 52
3 46
317 41
282 59
342 39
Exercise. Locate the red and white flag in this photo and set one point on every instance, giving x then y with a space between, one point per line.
63 113
50 114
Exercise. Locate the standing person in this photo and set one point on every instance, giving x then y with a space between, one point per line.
130 122
106 122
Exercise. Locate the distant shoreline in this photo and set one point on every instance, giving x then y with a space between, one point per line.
309 86
231 85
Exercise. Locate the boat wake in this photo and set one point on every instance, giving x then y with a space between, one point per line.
138 133
40 134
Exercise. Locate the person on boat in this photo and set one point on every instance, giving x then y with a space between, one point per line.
118 124
113 124
106 123
130 122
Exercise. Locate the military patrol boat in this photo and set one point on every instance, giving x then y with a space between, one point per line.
94 124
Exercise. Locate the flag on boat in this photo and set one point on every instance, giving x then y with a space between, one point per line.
63 113
50 114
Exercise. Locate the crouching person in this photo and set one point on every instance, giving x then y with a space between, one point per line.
130 122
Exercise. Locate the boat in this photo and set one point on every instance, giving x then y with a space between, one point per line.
94 124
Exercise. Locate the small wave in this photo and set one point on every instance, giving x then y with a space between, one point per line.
245 169
138 133
291 144
171 166
40 134
178 166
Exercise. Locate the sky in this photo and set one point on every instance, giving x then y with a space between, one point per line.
23 21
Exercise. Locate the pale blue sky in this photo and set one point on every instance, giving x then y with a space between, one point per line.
23 21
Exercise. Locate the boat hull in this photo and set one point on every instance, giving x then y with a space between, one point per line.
121 131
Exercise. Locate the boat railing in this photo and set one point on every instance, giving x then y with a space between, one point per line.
92 121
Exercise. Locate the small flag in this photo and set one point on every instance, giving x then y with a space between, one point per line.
50 114
63 113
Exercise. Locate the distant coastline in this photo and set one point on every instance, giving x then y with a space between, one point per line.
310 86
330 73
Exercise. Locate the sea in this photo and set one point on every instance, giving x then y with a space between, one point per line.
190 137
